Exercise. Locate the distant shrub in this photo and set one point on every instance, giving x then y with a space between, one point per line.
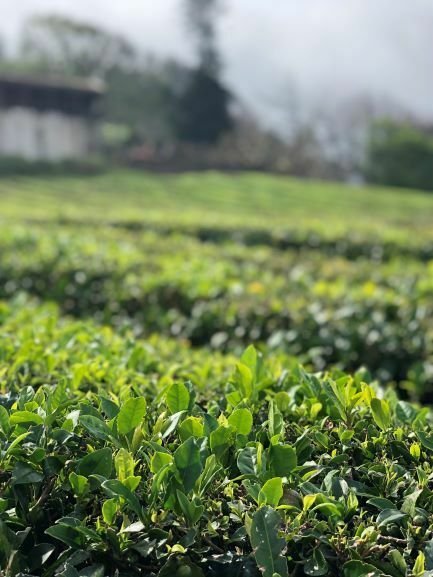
16 166
400 155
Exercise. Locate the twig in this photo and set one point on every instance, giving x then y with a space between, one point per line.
212 544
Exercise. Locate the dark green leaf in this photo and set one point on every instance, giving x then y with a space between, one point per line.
317 565
96 427
100 462
267 545
24 474
188 463
282 459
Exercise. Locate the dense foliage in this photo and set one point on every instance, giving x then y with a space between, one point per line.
114 463
400 155
141 435
329 297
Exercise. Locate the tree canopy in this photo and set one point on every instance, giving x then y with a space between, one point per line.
64 45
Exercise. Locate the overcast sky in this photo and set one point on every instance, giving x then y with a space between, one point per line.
328 49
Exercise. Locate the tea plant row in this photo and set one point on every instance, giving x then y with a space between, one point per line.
326 310
128 458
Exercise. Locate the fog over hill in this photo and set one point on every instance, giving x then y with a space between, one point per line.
318 50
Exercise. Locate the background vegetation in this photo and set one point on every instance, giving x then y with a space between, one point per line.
170 115
134 440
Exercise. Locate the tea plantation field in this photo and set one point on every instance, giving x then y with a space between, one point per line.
208 375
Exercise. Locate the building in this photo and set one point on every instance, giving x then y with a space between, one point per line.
48 119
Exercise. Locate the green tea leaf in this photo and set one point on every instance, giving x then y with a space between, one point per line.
96 427
191 427
419 567
99 462
426 440
271 492
25 417
317 565
220 440
124 464
381 503
428 552
398 561
4 420
405 412
115 488
160 460
177 398
67 534
357 568
409 502
282 459
188 463
244 380
249 358
388 516
24 474
242 421
267 545
247 461
381 413
109 510
191 511
79 484
131 414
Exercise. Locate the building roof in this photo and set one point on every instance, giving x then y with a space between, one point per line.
74 96
83 85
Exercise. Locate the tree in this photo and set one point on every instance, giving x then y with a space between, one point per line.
203 109
202 112
142 98
400 154
201 16
137 103
63 45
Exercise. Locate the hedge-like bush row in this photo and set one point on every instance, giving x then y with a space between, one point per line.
117 460
326 311
246 208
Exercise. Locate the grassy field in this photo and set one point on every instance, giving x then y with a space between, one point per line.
212 199
140 432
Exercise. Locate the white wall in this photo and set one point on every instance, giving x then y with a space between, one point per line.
50 136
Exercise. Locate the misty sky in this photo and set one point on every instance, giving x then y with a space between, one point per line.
327 49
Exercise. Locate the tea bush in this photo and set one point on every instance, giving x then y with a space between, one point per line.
326 310
141 434
116 459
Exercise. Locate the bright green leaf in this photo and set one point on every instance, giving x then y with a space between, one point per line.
272 492
242 421
124 464
381 413
177 398
131 414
